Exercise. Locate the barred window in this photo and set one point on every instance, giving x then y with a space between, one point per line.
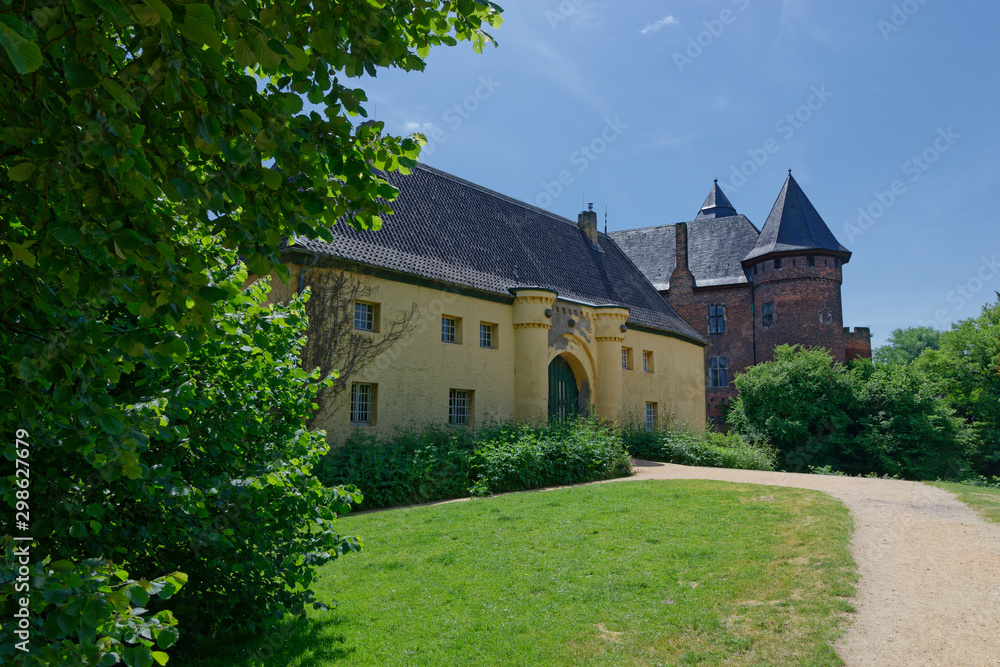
364 316
448 329
718 372
717 319
361 403
767 314
459 407
650 416
486 335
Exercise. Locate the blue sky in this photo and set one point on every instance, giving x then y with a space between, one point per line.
879 107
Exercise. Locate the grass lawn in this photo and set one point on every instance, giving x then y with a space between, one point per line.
640 573
984 500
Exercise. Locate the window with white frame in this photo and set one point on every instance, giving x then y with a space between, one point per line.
650 416
487 335
365 316
362 403
626 358
647 361
459 407
449 329
718 372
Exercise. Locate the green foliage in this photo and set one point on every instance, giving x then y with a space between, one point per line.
409 468
144 147
884 420
905 345
904 428
444 463
966 372
91 613
802 404
710 449
568 452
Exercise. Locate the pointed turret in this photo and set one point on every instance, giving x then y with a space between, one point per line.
716 205
794 226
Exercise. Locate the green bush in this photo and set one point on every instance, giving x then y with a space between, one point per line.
709 449
562 453
441 463
408 468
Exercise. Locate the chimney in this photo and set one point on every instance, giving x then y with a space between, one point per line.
587 222
681 247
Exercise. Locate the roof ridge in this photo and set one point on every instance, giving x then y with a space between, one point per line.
492 193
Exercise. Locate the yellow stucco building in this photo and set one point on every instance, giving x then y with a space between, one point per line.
510 312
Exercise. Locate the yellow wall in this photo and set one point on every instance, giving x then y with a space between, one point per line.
414 377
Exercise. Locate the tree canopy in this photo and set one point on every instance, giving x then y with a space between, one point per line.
146 149
905 345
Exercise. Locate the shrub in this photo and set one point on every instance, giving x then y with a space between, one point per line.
562 453
710 449
410 467
441 463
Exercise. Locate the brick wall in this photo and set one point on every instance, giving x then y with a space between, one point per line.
858 343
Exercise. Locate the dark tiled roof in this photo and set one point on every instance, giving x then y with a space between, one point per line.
454 231
795 226
715 248
716 205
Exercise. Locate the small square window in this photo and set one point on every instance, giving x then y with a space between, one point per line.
626 359
718 372
365 316
459 407
647 361
777 264
650 416
451 329
363 403
487 335
717 319
767 314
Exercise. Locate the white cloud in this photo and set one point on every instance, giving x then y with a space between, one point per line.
656 26
413 126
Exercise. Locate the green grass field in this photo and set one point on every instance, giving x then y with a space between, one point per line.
985 501
639 573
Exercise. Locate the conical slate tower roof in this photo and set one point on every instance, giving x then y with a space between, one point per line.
795 226
716 205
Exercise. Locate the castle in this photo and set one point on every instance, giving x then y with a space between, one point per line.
522 314
748 290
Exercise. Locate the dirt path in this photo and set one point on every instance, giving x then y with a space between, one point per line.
929 592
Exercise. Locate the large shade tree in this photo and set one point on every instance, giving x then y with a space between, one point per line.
143 149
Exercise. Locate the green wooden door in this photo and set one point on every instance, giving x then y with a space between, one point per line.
563 395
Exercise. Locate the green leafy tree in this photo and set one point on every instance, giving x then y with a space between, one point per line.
904 428
966 372
905 345
142 149
803 404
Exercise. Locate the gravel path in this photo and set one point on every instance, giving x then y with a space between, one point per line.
929 592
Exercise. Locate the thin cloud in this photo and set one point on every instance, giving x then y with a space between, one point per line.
656 26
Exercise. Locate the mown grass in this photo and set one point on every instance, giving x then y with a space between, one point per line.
986 501
640 573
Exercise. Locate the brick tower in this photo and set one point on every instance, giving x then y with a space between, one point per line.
795 273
